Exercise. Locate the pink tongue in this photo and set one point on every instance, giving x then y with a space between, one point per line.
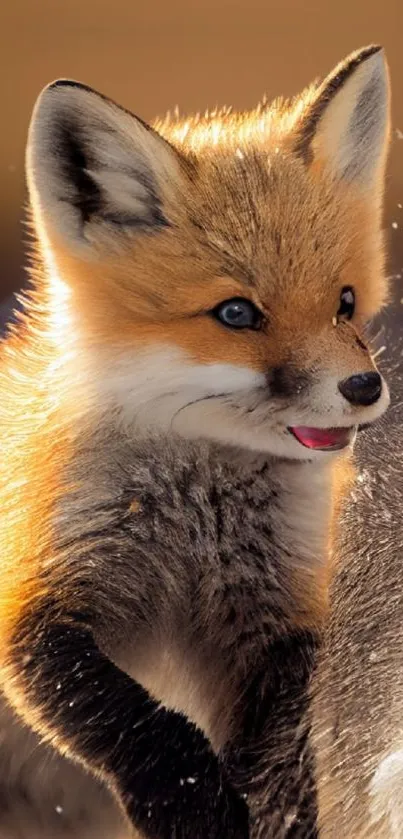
321 438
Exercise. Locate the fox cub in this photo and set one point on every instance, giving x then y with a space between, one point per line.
178 408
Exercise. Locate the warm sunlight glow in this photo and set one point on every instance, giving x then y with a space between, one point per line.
222 127
59 295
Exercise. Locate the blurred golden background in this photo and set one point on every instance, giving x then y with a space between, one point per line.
151 56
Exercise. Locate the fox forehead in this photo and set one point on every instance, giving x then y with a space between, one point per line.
266 219
260 226
271 223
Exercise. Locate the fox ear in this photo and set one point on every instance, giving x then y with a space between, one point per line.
346 126
92 166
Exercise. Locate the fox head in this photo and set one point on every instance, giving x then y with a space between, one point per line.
222 269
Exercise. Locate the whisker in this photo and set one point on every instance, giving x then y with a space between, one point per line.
379 351
194 402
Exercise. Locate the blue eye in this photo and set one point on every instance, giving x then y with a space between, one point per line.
238 313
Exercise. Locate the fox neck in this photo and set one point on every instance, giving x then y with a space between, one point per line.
136 411
94 398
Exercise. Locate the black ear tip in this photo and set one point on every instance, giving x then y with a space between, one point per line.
356 60
368 52
62 83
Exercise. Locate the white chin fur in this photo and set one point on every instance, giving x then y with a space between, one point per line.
212 421
163 391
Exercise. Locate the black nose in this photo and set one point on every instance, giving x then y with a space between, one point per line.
363 389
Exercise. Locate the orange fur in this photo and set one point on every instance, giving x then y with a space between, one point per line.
160 292
34 453
268 227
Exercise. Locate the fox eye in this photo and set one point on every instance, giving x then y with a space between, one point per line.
238 313
347 303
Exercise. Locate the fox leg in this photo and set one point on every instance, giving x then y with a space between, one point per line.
270 759
159 765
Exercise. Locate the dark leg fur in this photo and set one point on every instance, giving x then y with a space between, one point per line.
161 766
270 758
